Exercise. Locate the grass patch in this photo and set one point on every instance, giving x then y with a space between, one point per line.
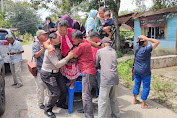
124 69
119 54
162 90
25 42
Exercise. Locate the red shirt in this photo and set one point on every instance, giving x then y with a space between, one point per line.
94 50
85 57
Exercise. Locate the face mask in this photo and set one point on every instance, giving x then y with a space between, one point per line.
57 46
48 21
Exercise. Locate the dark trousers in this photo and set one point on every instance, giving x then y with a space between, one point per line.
56 84
88 82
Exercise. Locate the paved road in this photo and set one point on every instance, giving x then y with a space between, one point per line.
22 102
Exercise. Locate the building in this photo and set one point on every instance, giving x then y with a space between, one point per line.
161 25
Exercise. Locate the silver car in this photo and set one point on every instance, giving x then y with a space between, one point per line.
4 46
2 86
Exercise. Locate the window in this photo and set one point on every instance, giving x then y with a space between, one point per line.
2 35
155 32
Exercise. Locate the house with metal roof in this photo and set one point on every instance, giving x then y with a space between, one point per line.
161 25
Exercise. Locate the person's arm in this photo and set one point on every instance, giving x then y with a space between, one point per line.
12 53
155 42
19 52
59 63
97 60
37 54
94 44
20 49
46 45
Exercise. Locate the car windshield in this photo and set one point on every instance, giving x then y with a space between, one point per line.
2 35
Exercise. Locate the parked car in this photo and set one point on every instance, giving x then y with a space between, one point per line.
2 86
4 47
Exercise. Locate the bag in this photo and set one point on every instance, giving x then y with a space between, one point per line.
32 67
133 77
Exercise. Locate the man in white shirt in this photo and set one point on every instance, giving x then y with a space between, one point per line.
15 51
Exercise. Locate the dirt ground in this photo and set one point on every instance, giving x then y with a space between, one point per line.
170 72
168 76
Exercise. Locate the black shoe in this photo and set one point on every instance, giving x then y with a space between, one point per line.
80 111
41 106
50 114
14 84
64 106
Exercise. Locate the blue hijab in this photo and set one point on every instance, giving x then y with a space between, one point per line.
90 23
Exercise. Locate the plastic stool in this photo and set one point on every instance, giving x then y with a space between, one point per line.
77 88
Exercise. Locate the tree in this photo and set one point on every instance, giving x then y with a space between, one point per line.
22 16
158 4
4 23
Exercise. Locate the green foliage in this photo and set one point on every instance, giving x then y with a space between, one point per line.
126 32
23 17
4 23
81 21
119 54
157 4
124 69
160 4
125 12
64 7
27 39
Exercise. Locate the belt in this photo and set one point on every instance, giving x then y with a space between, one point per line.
49 70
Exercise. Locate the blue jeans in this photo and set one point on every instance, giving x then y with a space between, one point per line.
146 85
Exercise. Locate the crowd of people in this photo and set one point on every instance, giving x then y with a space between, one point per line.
66 49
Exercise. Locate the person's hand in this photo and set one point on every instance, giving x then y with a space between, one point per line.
71 54
51 51
11 53
52 29
144 38
102 23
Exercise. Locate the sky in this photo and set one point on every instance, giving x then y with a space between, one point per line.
130 5
125 5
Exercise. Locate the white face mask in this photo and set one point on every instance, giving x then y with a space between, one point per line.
48 21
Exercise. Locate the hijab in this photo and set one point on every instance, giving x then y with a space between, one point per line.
70 21
90 23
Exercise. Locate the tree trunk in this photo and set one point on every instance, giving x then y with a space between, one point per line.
115 13
114 6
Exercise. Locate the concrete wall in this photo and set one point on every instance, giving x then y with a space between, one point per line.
163 61
137 29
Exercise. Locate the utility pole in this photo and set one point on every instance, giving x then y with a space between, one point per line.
2 5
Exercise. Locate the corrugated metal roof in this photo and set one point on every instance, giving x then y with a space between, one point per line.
161 11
